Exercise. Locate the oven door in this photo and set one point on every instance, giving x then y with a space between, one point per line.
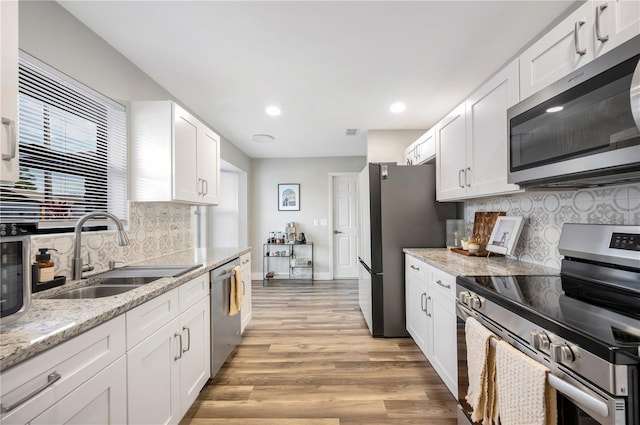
576 405
15 277
581 128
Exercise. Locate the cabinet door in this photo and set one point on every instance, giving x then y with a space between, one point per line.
186 186
614 23
487 133
451 156
408 155
427 146
418 322
100 400
209 166
153 378
246 310
195 364
9 96
568 46
445 356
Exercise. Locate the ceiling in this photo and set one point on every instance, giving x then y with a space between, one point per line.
329 65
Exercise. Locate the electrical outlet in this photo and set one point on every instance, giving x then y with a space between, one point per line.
323 222
315 222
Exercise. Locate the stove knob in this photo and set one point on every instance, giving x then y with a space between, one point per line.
561 353
539 340
464 297
475 302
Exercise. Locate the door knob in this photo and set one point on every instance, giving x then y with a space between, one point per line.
335 232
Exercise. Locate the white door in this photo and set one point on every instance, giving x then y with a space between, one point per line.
345 226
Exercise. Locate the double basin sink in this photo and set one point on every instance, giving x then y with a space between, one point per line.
124 279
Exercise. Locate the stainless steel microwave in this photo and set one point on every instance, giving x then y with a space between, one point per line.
15 277
583 130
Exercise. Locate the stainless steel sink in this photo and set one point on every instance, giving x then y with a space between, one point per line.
138 280
95 291
148 271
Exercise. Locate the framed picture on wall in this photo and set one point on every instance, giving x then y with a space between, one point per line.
505 235
289 197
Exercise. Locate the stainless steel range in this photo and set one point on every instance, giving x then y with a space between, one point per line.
583 324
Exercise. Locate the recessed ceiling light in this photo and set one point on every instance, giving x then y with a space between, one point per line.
398 107
262 138
273 110
555 109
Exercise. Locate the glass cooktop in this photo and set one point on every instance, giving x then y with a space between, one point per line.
592 311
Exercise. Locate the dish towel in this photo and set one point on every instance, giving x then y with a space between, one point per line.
481 394
235 295
524 394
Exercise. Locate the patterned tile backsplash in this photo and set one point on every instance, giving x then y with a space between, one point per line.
154 229
545 212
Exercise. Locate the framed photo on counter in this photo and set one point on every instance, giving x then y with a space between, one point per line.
505 235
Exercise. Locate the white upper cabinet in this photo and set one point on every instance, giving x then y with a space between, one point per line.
422 150
487 133
9 94
451 159
593 29
614 23
174 157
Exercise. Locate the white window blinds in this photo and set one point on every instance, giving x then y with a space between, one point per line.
72 144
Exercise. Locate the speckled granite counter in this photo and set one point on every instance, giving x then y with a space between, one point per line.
459 265
52 321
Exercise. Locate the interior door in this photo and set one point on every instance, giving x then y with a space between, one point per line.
345 226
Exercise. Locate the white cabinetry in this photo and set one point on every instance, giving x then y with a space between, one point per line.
472 141
174 156
9 96
171 364
422 150
246 310
78 381
431 317
592 30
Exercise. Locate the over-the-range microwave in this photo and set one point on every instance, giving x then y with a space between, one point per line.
583 130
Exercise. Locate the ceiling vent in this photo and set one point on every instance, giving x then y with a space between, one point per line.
352 132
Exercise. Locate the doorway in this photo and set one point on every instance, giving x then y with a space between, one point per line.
344 225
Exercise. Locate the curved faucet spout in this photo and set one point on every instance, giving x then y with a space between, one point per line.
77 244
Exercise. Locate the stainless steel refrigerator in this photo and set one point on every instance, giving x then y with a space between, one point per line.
398 209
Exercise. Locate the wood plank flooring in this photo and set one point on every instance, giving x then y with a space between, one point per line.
307 358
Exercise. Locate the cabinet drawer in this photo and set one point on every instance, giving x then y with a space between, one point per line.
147 318
417 267
444 284
193 291
76 361
245 259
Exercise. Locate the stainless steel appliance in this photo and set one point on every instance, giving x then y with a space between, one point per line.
398 209
583 324
582 130
225 329
15 273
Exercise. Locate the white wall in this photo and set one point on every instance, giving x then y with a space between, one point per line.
313 176
389 145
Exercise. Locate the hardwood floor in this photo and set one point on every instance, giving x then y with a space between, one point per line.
307 358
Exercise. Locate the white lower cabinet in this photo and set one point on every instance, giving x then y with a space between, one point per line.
169 367
101 400
431 317
245 311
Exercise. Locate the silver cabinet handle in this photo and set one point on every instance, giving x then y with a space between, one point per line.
51 379
243 287
414 267
205 187
576 41
186 328
600 37
13 139
423 304
179 356
427 307
466 177
460 178
439 282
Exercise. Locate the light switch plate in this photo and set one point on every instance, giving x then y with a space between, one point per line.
315 222
323 222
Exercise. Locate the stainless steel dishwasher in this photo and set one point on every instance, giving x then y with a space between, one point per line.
225 329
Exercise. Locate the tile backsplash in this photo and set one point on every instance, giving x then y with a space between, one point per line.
545 212
154 229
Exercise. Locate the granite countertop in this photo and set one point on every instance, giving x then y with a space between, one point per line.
49 322
461 265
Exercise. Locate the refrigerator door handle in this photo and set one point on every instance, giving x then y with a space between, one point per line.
371 272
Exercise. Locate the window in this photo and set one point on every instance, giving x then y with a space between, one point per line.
72 144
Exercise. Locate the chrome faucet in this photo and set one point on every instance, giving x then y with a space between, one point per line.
78 268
